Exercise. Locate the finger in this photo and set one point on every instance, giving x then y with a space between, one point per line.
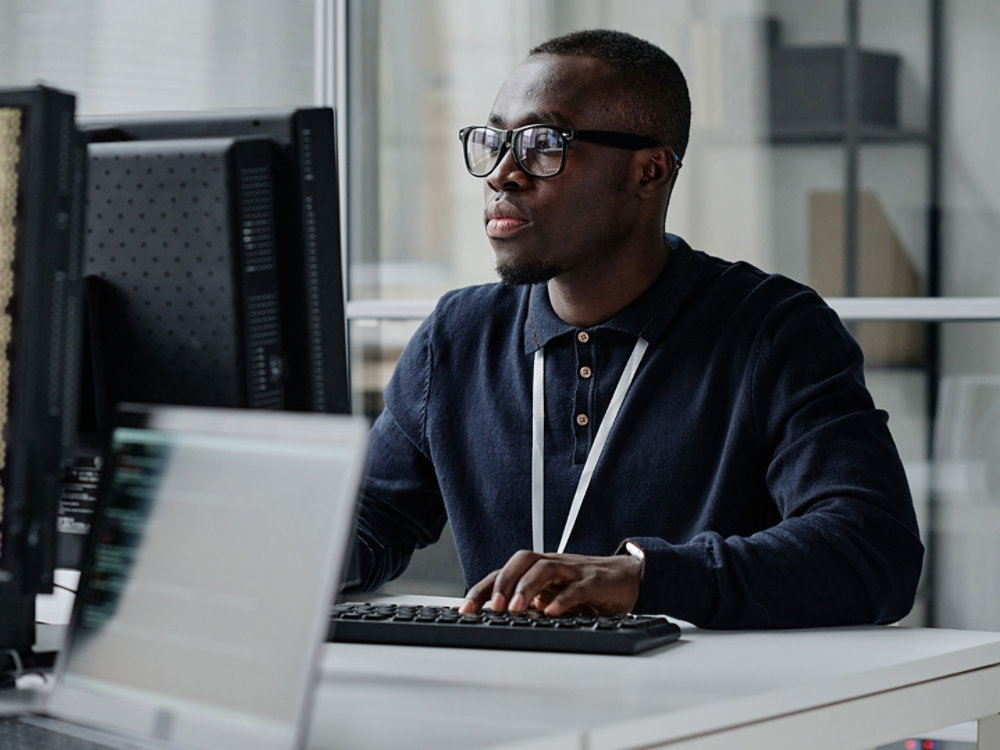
541 600
538 581
573 597
603 593
478 595
509 577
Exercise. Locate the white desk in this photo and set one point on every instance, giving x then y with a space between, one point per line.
835 689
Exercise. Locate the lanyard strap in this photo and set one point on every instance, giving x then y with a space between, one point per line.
600 440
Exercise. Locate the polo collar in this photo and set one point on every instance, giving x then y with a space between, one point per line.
647 316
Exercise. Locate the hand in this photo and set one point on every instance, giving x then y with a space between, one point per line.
559 583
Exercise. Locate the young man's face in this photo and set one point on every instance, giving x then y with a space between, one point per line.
574 222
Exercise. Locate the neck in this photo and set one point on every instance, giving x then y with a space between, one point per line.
588 298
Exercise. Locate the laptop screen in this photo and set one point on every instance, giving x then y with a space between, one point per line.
204 599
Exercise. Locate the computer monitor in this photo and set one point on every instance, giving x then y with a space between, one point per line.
42 168
212 273
304 163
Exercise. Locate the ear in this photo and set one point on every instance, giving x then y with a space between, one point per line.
656 170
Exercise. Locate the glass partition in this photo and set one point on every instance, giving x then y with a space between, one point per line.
867 194
869 178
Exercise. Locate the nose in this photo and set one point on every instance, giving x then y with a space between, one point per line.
507 175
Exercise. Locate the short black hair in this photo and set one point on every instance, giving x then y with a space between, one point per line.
652 93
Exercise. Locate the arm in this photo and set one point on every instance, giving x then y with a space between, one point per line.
846 549
399 507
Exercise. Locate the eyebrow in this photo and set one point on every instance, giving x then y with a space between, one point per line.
533 118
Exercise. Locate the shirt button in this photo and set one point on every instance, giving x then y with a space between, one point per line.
583 337
582 419
585 372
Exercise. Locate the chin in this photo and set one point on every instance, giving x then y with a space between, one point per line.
518 274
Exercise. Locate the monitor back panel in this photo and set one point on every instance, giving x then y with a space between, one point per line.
181 247
309 232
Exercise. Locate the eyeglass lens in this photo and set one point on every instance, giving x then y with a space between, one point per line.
539 151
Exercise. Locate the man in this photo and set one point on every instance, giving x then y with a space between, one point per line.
739 477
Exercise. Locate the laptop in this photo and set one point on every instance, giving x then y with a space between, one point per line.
204 601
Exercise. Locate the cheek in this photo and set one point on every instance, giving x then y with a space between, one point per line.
600 194
596 209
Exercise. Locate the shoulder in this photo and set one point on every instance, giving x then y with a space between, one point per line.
474 311
728 291
482 299
461 320
749 284
467 329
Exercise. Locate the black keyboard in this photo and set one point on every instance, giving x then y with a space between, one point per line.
423 625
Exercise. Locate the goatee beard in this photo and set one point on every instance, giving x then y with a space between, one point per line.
517 274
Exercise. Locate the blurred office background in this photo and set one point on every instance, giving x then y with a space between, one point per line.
849 144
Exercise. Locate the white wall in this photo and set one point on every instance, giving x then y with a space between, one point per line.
126 56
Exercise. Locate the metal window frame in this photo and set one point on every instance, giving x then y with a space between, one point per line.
927 309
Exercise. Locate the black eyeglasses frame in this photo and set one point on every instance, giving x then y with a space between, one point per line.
628 141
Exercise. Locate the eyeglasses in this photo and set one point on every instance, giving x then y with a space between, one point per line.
539 150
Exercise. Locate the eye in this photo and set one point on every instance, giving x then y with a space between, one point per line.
542 140
487 139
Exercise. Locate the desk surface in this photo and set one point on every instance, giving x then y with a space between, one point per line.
835 688
826 689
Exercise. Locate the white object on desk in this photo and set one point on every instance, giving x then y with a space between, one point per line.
56 608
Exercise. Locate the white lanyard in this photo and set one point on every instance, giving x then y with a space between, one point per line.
538 446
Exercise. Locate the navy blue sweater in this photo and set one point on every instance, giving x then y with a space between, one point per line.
748 460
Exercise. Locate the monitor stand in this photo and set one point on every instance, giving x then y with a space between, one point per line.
17 633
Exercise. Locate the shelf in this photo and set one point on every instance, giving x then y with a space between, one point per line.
835 133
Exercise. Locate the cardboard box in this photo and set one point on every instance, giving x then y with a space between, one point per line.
884 270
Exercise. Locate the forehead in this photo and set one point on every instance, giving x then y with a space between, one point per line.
556 89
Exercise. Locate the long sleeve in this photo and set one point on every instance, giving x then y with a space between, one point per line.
846 548
400 507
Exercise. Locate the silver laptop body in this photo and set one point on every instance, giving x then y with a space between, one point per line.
203 605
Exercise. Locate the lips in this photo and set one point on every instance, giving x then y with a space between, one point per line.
504 220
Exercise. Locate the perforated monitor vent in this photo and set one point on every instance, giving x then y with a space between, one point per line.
182 232
263 320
